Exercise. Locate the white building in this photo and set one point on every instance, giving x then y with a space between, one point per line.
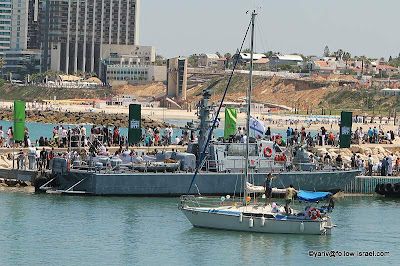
390 92
285 59
209 60
245 57
123 74
128 54
123 100
5 25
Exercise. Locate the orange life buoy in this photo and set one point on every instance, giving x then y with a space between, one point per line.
268 151
314 213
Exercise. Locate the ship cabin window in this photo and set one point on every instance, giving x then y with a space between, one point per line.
239 149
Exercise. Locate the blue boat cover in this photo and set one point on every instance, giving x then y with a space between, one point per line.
310 196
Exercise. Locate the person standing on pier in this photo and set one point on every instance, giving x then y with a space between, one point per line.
370 164
390 164
1 136
20 160
383 167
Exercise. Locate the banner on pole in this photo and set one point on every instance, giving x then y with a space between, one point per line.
19 120
345 129
230 122
134 129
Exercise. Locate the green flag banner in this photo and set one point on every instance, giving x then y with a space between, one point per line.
19 120
135 129
230 122
345 129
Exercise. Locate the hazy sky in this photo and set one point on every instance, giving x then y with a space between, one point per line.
184 27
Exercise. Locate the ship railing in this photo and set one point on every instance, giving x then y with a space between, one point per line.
255 164
208 201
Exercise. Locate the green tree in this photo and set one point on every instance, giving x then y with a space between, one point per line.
2 64
193 60
159 60
246 50
326 51
218 54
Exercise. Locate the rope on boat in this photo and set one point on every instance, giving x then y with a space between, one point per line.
218 111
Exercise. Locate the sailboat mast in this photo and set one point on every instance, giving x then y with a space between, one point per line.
253 17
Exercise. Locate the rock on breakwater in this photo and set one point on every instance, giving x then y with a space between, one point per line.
56 117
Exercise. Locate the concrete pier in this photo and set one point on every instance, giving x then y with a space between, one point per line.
367 184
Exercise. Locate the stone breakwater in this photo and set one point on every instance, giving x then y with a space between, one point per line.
377 153
56 117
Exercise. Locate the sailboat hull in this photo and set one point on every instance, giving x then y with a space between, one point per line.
235 222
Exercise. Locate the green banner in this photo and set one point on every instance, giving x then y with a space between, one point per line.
230 122
135 129
346 121
19 120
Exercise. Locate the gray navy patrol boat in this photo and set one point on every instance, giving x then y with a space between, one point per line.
170 173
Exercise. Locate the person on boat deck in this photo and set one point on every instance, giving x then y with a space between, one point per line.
268 188
288 197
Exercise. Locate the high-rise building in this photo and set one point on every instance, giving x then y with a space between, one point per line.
75 33
5 25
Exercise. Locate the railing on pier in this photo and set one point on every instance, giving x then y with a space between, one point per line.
367 184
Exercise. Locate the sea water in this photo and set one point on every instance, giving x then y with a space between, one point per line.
44 229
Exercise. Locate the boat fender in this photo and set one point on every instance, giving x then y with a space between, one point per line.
268 151
283 158
396 188
262 221
388 187
314 213
251 222
240 218
378 189
276 158
382 188
302 227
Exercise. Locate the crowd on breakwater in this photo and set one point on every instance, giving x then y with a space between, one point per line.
50 116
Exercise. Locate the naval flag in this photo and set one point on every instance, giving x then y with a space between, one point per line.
257 128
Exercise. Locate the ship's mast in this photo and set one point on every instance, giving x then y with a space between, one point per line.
253 18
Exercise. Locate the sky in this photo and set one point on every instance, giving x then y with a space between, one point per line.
185 27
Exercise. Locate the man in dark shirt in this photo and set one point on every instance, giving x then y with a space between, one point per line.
339 161
43 159
268 188
327 159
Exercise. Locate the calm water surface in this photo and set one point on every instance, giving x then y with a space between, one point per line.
64 230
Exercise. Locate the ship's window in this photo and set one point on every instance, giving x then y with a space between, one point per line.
239 149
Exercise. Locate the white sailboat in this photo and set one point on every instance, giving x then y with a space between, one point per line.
251 216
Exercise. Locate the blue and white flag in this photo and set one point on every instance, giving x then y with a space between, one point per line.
257 128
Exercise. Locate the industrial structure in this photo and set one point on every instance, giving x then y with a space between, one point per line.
177 78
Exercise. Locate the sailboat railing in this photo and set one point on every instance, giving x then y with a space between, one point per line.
207 202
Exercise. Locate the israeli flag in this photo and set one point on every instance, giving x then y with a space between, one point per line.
257 128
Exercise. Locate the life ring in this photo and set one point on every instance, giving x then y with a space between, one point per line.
268 151
314 213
